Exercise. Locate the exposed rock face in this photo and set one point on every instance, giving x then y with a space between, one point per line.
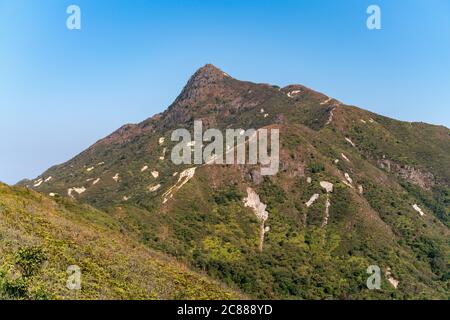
418 177
327 211
205 82
348 178
155 174
79 190
360 189
298 92
183 178
210 89
252 201
418 209
328 186
313 199
154 188
351 142
331 116
394 282
345 157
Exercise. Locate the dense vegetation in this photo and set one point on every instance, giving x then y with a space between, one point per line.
40 239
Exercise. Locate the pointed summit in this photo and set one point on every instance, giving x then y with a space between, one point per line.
209 68
207 74
208 80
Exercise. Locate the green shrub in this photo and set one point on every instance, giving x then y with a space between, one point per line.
29 260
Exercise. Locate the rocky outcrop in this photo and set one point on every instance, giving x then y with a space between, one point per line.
259 208
416 176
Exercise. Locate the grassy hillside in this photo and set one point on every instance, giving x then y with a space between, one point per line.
389 204
207 226
40 238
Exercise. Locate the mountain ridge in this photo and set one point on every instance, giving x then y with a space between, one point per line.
129 130
388 205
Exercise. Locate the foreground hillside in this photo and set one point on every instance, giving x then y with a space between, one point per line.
40 238
354 189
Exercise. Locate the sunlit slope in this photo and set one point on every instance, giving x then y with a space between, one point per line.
354 189
40 238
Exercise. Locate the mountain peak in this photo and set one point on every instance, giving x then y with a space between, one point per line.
209 69
205 81
208 74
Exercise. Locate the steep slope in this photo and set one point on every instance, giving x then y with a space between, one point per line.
354 189
41 238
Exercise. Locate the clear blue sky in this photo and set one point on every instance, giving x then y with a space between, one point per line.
62 90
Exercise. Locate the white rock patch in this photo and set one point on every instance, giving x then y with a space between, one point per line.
96 181
38 182
345 157
259 208
155 174
77 190
363 121
90 169
309 180
183 178
266 115
48 179
154 188
326 101
144 168
293 93
163 154
418 209
161 140
52 194
253 201
327 212
312 200
328 186
349 179
347 184
394 282
331 116
116 177
350 141
360 189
